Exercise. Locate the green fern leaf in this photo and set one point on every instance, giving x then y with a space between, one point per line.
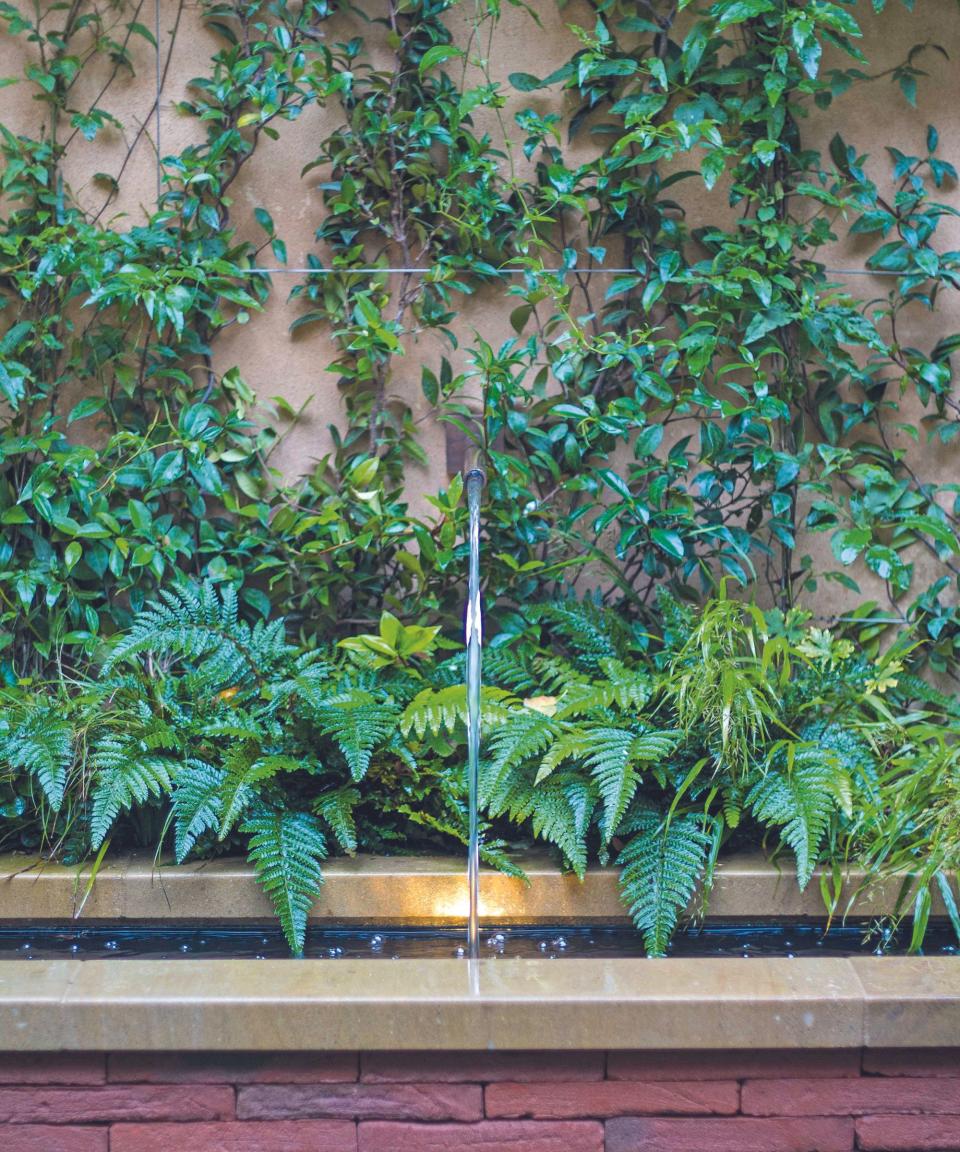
801 798
359 723
42 745
202 624
246 768
660 868
124 775
523 736
445 711
286 849
336 810
197 802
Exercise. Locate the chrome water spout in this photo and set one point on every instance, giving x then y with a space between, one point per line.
475 480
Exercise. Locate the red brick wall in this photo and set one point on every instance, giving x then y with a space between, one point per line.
511 1102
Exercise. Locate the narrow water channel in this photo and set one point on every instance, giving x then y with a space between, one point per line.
98 941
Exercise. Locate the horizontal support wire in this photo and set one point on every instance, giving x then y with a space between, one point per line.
506 272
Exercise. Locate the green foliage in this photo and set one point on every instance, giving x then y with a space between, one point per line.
286 849
664 434
661 868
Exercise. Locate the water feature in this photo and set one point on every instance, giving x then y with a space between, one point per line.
475 480
563 942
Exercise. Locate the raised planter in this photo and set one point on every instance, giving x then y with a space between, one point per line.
705 1055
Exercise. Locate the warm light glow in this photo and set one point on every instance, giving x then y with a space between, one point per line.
451 903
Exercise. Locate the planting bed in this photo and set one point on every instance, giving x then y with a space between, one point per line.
608 1054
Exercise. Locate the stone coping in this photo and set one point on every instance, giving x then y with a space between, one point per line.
407 1005
390 890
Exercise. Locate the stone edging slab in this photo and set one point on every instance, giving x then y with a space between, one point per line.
390 890
408 1005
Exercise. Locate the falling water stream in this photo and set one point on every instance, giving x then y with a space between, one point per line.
475 480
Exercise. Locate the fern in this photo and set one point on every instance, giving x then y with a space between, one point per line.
557 811
286 849
197 802
126 773
245 769
445 711
202 624
359 723
801 799
611 764
336 810
610 755
523 735
42 745
595 633
504 668
660 868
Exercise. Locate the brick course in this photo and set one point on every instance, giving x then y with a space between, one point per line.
850 1097
609 1098
737 1134
908 1133
502 1135
278 1136
361 1102
44 1138
483 1067
837 1101
134 1102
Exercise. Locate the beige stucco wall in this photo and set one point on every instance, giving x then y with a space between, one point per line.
274 362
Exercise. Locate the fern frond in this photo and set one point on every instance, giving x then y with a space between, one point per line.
556 810
443 711
660 868
800 798
125 774
554 673
286 849
202 624
42 745
197 802
594 632
336 810
610 762
523 735
246 768
359 723
504 668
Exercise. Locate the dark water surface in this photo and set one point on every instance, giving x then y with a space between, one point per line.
98 941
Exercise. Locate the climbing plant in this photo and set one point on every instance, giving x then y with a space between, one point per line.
709 409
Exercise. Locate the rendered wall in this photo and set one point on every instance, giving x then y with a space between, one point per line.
274 362
817 1101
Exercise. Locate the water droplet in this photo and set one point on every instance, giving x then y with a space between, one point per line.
259 956
111 946
264 939
25 947
790 956
74 947
560 943
394 957
184 947
202 942
543 945
376 943
460 953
